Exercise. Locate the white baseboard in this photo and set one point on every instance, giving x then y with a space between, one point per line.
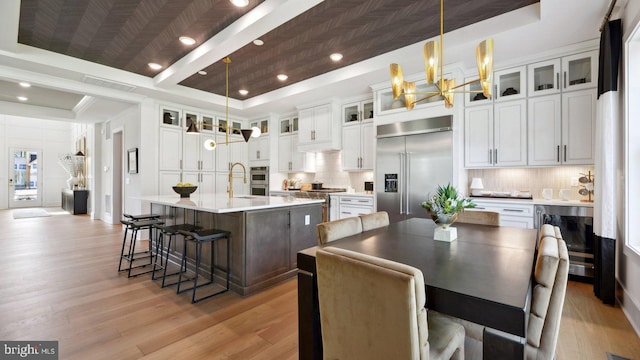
630 308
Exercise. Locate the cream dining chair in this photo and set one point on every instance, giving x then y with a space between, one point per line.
479 217
372 308
550 287
338 229
374 220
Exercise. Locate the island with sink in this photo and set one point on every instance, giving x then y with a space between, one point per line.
266 233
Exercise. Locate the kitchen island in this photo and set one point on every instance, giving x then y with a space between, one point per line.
266 233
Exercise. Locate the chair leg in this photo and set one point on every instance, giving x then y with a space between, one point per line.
124 240
132 249
159 246
183 265
195 280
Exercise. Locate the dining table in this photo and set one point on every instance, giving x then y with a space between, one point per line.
483 276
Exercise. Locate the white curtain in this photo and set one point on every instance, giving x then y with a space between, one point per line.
607 144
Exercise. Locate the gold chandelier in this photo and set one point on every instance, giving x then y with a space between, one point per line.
211 144
445 87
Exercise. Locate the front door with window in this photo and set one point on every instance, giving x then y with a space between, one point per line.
24 183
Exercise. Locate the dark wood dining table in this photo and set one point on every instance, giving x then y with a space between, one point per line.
484 276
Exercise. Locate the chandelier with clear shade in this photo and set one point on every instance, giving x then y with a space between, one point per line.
211 144
433 60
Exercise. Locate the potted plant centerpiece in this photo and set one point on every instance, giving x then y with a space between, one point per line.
443 207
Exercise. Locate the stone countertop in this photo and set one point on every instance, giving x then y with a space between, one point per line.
220 203
555 202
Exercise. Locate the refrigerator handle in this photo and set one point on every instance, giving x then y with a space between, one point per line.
401 181
408 182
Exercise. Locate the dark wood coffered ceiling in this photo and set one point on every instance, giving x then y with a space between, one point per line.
128 34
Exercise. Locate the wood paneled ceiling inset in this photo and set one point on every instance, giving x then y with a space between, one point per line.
128 34
124 34
357 29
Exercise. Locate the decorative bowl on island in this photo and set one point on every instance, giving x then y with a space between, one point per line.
184 190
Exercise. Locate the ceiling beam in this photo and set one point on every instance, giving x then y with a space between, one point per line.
259 21
9 23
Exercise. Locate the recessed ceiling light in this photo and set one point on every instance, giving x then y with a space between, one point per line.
22 98
24 84
240 3
202 72
243 91
155 66
336 56
187 40
258 42
282 77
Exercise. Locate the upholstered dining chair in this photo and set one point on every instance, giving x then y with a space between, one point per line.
338 229
551 275
372 308
479 217
374 220
550 287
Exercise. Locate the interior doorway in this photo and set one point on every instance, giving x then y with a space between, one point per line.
116 181
24 182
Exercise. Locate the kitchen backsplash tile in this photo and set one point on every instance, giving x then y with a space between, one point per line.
329 172
532 179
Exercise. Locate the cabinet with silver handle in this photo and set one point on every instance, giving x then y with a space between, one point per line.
511 214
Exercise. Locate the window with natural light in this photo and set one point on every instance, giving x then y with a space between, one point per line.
632 148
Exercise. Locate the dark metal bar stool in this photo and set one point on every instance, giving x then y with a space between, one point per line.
199 237
132 228
168 232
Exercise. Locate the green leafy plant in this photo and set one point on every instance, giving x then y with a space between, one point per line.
447 201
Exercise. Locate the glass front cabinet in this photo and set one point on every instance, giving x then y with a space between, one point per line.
575 72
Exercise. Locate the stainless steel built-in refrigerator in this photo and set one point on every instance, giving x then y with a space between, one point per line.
412 159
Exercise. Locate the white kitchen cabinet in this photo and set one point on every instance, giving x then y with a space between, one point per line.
263 125
289 125
319 128
290 159
511 214
561 128
357 111
574 72
510 84
474 95
170 148
170 117
354 206
230 153
259 148
496 135
239 187
510 133
385 104
358 146
198 164
167 180
578 127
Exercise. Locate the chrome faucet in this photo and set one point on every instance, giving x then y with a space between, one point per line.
231 177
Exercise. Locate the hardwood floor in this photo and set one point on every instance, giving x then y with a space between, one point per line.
59 282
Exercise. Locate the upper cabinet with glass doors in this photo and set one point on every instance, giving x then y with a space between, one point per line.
385 104
509 84
357 111
575 72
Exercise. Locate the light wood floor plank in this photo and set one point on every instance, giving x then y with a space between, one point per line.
59 282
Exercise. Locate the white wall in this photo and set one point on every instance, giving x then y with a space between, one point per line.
628 262
127 122
53 138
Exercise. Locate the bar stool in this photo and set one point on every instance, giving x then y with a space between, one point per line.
199 237
168 231
140 217
131 255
